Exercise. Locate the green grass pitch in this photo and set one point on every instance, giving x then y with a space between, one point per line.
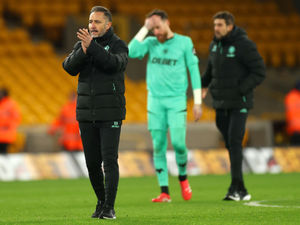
71 202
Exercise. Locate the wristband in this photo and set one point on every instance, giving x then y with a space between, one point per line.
197 96
141 34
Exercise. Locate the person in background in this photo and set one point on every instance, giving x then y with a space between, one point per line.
100 58
292 112
67 125
170 55
234 69
10 118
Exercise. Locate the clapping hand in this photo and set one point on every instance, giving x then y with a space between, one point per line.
85 37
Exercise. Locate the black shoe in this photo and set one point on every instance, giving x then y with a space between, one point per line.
232 196
108 213
99 208
237 196
244 195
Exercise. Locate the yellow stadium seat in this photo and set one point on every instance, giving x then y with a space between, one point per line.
275 55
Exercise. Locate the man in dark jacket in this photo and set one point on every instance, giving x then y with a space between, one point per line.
101 58
234 69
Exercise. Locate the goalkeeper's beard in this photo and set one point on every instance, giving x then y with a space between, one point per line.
162 37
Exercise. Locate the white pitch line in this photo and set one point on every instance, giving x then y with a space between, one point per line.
259 204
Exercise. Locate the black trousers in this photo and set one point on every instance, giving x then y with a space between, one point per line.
100 143
3 148
231 123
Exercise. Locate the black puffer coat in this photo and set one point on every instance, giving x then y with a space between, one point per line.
234 69
101 79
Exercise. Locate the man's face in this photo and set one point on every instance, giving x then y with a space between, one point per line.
98 24
221 28
160 28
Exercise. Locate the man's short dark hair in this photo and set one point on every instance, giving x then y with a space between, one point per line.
158 12
225 15
106 12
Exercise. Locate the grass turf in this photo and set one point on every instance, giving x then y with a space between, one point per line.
71 202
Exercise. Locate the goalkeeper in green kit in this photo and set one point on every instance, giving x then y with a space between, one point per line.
169 56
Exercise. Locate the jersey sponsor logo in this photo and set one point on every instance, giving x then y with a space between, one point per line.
115 125
106 47
231 51
214 48
164 61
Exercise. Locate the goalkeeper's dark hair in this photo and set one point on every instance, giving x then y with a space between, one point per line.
106 12
158 12
225 15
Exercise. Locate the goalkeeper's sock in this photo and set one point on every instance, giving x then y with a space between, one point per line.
182 177
164 189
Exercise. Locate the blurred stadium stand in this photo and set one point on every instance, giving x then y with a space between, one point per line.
36 35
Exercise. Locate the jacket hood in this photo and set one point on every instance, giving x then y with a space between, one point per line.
236 34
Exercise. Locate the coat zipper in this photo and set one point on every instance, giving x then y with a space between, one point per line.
221 48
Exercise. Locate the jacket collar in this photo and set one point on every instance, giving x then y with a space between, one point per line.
105 39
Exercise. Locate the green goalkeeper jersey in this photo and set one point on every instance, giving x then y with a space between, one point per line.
167 64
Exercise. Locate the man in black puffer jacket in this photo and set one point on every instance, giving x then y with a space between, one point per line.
234 69
101 58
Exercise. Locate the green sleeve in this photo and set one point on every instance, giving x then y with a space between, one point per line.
192 64
138 49
195 76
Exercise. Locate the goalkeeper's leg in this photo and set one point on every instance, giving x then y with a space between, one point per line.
159 138
178 142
